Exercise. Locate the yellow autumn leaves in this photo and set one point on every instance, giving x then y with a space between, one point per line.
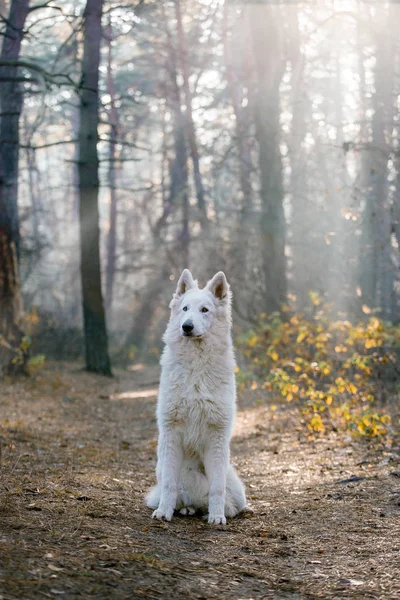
332 367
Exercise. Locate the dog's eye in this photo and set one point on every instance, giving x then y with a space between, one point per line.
204 309
185 308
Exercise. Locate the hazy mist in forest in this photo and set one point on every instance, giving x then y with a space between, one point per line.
261 139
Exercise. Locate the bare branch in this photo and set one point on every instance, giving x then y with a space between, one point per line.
45 5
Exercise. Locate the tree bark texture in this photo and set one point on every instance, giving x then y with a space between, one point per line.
96 342
11 96
112 180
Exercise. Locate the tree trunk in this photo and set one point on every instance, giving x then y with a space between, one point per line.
149 301
388 74
178 195
112 232
301 218
11 97
12 357
376 268
190 128
96 342
246 223
34 194
75 136
267 47
235 88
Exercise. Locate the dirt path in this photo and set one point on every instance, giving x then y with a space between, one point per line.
78 454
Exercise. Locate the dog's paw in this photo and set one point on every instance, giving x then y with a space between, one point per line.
230 510
217 519
162 515
187 510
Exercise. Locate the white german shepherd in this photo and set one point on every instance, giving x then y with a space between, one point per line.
196 406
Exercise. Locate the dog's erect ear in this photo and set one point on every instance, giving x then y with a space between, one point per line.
219 286
185 283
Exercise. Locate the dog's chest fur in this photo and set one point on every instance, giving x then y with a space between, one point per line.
198 398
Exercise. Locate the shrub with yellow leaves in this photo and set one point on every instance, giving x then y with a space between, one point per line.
333 368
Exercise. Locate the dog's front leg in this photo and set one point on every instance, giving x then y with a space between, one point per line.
216 462
170 462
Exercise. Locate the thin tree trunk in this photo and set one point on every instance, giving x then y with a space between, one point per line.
11 97
244 230
376 269
33 193
386 273
96 342
338 266
300 214
267 48
394 16
191 132
178 193
112 232
75 160
235 88
148 303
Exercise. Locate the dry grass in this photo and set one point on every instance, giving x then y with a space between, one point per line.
78 453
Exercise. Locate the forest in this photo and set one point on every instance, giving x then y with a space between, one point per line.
260 138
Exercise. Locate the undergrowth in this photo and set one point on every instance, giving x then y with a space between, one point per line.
339 373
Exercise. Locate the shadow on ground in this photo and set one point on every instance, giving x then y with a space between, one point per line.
78 454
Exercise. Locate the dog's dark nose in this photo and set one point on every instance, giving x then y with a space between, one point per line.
187 327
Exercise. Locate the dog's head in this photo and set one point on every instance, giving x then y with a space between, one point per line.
196 312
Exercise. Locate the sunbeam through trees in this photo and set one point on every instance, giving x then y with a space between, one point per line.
255 144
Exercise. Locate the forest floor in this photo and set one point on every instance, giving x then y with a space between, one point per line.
78 454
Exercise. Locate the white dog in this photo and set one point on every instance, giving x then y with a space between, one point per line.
196 406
